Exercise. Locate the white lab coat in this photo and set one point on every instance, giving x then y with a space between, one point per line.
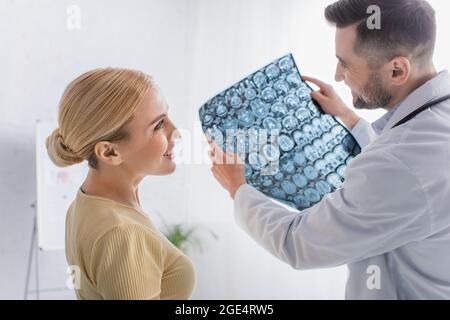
390 222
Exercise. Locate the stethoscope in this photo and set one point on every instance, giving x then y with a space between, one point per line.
422 109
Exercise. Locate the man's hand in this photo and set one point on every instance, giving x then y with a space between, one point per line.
332 104
227 168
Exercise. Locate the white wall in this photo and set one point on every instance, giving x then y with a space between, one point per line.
194 48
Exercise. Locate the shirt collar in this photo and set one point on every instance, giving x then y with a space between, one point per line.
431 90
380 124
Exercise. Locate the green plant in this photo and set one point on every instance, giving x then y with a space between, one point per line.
184 237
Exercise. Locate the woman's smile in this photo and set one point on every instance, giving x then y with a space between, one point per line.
169 155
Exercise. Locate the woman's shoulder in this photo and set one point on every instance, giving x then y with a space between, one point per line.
93 218
129 234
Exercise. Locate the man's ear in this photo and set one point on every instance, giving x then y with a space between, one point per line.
108 153
400 70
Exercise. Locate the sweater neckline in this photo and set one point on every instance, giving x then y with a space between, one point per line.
82 194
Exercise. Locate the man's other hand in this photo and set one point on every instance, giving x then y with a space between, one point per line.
227 168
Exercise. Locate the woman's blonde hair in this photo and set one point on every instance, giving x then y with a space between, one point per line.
95 107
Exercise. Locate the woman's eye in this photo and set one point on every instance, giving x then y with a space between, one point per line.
160 125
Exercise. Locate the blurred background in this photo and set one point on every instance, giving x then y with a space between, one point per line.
194 49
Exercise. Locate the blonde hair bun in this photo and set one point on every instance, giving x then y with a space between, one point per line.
60 154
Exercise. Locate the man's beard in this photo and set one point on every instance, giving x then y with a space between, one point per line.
375 96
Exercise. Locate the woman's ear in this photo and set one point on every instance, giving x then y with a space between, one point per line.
400 69
108 153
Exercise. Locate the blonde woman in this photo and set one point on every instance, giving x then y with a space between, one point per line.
117 120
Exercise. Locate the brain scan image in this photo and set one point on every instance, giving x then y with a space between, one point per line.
293 152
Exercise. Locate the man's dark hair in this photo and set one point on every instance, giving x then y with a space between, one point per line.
408 28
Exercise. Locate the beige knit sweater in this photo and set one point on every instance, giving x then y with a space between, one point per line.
121 255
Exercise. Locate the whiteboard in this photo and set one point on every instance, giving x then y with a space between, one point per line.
56 189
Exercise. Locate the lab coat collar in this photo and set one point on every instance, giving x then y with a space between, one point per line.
434 89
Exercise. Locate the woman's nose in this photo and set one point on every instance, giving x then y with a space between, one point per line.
174 133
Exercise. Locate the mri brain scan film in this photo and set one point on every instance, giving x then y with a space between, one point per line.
293 152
